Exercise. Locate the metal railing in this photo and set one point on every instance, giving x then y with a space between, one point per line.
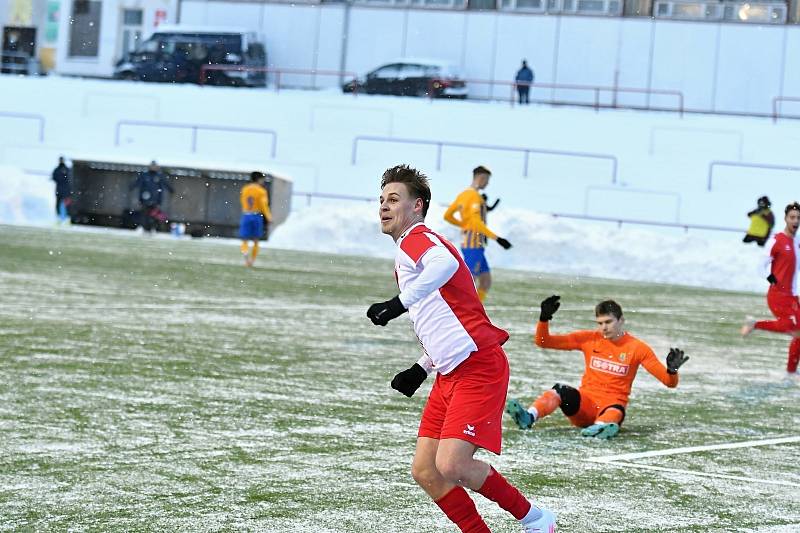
279 72
621 221
738 164
526 151
194 129
28 116
598 96
776 107
310 196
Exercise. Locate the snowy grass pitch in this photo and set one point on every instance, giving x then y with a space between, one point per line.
158 385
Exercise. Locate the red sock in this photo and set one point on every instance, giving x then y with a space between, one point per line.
460 509
794 355
504 494
781 325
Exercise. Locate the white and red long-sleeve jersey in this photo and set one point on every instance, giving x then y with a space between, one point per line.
437 289
781 262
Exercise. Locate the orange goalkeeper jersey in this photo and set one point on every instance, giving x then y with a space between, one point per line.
610 365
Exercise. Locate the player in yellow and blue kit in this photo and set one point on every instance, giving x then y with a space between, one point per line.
255 212
471 208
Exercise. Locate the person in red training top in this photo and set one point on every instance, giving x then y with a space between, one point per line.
464 410
780 266
612 359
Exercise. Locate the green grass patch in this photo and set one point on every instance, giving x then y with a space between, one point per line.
153 384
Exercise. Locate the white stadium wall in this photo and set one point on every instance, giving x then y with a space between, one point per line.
376 35
749 69
633 63
684 59
736 68
519 37
791 76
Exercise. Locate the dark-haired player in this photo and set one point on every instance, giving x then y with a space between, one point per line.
780 269
612 357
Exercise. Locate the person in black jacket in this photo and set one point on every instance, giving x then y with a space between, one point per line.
151 184
62 175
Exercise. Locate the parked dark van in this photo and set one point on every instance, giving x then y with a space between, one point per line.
177 53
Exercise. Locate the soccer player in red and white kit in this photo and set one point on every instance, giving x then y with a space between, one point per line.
465 407
782 264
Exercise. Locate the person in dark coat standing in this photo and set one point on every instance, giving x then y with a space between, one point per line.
524 80
62 175
151 184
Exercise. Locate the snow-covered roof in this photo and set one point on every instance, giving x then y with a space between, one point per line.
176 162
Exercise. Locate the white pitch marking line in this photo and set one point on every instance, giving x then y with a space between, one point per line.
706 474
692 449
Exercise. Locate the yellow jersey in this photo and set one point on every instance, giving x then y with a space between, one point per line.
761 223
471 209
255 200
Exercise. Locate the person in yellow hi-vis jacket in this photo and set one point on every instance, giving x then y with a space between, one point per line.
471 208
255 214
761 222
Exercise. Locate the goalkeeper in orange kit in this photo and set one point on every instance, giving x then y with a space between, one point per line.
612 357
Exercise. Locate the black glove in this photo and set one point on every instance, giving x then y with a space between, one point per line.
772 279
266 230
504 243
675 359
381 313
549 307
408 381
486 201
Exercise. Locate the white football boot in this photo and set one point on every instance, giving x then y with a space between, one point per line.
546 523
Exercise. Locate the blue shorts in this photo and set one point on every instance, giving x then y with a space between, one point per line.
251 226
475 260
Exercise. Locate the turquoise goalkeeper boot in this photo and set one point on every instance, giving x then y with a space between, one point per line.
520 415
601 430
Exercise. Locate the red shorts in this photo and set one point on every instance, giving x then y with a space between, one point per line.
784 306
468 402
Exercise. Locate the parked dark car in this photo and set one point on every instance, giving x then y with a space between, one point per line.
177 54
412 77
